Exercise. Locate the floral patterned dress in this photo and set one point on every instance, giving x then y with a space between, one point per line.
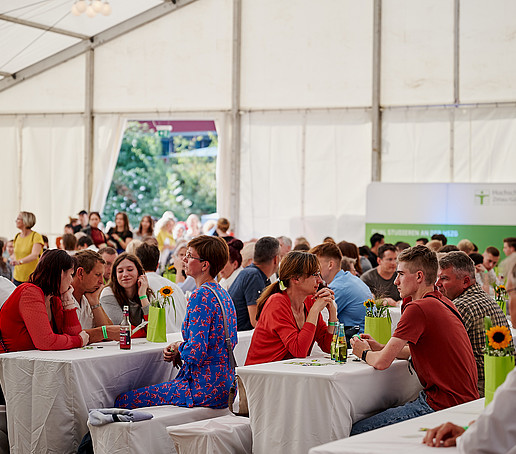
206 375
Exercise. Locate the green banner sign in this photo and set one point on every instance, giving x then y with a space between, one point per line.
482 235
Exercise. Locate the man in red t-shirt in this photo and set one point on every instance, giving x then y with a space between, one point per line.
430 331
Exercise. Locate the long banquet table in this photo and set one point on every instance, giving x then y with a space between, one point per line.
49 393
404 437
297 404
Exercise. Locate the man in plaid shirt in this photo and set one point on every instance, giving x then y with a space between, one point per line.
456 280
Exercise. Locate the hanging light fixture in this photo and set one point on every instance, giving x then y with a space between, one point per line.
91 9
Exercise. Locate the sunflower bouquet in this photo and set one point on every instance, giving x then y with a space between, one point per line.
498 357
377 320
157 328
376 308
498 339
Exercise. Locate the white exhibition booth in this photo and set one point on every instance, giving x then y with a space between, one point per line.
289 85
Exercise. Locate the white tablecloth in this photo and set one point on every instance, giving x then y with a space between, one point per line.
404 437
228 434
395 317
294 407
149 436
48 394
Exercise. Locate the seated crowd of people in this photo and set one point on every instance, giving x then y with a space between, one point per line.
291 295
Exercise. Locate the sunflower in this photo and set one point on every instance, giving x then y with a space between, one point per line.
166 291
499 337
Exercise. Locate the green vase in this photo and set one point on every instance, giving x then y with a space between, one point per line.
496 369
379 328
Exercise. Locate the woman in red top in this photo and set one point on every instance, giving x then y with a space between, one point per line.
289 312
41 314
92 230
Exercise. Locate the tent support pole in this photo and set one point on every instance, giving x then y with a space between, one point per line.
235 114
376 152
456 83
88 130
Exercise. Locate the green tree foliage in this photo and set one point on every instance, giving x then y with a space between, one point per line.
145 182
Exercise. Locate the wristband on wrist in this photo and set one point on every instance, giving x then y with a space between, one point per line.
104 331
364 354
21 261
332 323
143 297
96 306
465 427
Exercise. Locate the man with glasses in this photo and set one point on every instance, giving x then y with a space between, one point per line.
251 281
430 331
456 281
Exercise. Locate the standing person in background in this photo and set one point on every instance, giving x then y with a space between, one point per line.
377 240
9 250
222 228
93 231
82 222
146 228
193 225
164 232
28 246
120 235
5 269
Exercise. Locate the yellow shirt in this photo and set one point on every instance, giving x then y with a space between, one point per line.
23 248
162 238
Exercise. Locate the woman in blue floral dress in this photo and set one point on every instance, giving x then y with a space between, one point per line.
206 376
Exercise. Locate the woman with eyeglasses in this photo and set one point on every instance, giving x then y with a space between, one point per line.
289 312
206 375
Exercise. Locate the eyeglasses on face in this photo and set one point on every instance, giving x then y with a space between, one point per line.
189 256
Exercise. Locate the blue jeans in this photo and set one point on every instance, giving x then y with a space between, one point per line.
410 410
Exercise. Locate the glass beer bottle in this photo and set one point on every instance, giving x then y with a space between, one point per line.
342 347
333 349
125 331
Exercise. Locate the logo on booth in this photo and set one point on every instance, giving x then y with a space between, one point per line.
482 197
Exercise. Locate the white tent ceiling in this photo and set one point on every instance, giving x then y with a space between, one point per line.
310 103
32 30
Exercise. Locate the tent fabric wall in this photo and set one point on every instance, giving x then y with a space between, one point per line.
300 173
305 108
50 170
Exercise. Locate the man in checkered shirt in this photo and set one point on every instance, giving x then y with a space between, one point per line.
456 280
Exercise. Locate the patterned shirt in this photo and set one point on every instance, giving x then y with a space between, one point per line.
474 304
